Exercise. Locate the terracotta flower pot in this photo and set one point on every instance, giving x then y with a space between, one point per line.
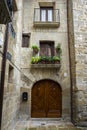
57 62
35 50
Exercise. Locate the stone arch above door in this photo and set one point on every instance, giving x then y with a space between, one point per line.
46 99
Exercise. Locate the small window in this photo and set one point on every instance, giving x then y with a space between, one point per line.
10 74
46 14
47 48
25 40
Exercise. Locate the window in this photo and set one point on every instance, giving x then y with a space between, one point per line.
25 40
10 74
46 14
47 48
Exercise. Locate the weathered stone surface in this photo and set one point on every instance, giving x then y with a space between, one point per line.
63 128
33 128
80 30
52 127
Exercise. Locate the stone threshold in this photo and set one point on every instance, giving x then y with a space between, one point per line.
46 124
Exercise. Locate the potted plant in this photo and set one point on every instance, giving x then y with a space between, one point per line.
35 60
35 49
58 49
56 59
47 59
43 59
50 60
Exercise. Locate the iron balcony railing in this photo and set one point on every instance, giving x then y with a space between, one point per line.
42 15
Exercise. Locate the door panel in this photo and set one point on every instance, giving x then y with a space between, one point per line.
38 101
46 99
54 100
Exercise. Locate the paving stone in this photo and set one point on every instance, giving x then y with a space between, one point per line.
51 128
83 128
63 128
42 128
72 128
32 128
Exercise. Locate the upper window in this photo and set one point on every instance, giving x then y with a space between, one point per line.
25 40
10 74
46 14
47 48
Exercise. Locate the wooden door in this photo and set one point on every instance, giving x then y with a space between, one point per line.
46 100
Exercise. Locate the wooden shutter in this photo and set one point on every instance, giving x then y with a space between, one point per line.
25 40
43 49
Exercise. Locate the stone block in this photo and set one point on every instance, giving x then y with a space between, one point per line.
63 128
32 128
73 128
42 128
51 128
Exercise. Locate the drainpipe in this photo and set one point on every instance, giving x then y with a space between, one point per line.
3 68
70 28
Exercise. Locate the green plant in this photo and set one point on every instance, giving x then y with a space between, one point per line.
45 60
56 58
58 49
35 47
58 46
35 60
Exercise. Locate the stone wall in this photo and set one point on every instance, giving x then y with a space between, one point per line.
80 39
11 101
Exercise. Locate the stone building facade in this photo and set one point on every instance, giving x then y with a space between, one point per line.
68 29
80 90
57 35
11 98
71 34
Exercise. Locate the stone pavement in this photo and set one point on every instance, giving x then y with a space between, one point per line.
45 125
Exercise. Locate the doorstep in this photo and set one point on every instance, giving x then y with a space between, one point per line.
45 125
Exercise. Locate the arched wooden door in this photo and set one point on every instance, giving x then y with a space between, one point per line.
46 101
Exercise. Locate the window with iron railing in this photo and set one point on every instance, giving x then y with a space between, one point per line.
46 17
46 14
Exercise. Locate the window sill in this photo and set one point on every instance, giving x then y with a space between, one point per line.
46 24
45 65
